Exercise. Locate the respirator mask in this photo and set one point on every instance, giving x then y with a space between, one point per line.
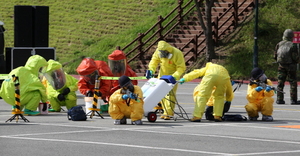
164 54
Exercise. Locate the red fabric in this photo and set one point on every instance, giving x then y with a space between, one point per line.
120 55
130 73
86 67
117 55
104 70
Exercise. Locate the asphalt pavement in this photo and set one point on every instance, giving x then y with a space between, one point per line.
54 134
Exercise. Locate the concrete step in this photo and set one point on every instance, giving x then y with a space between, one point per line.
188 31
189 28
181 35
222 4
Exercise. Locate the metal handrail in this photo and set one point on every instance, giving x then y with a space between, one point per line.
159 32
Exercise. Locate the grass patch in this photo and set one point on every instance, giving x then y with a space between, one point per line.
89 28
95 28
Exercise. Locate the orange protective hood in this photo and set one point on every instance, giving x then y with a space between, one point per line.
86 67
117 55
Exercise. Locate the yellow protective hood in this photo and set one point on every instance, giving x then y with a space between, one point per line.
162 45
34 63
52 65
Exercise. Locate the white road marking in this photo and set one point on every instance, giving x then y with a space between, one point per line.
146 129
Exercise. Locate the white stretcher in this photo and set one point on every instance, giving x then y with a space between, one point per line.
154 90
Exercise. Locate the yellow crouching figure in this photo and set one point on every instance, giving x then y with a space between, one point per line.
126 102
213 75
259 96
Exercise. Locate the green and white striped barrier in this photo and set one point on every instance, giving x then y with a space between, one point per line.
4 76
117 78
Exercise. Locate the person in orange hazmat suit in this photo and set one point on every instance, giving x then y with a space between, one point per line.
118 64
88 69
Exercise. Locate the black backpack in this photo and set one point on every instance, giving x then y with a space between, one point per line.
284 52
234 117
76 113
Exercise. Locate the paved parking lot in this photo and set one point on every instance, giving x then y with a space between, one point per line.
54 134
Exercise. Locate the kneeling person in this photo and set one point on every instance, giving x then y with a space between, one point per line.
260 99
127 102
61 87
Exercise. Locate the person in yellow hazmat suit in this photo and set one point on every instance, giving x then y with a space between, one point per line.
213 75
60 87
126 102
32 91
259 96
210 104
171 62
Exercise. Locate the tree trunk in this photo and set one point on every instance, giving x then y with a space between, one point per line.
207 27
209 39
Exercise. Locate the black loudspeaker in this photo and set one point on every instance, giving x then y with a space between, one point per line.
18 56
47 53
2 64
31 26
41 26
2 39
7 59
23 26
2 60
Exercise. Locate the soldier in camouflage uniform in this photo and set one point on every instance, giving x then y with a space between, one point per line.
287 57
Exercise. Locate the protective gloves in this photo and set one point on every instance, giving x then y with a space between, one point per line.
133 96
125 97
209 113
182 80
61 97
232 83
66 91
259 88
149 74
89 94
44 107
226 106
268 88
